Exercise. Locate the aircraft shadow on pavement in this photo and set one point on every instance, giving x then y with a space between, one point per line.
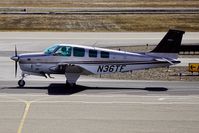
62 89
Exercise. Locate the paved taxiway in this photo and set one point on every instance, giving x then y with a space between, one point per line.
100 106
96 105
37 41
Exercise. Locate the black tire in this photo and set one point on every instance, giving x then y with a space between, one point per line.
21 83
70 85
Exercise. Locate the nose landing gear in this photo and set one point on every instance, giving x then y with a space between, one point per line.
21 82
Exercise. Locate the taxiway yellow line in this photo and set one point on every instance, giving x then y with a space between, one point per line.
27 107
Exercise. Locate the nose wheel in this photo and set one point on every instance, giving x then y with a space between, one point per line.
21 83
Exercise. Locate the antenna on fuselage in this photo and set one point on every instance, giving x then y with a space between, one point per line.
94 45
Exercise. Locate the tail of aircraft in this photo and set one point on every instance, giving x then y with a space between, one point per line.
170 43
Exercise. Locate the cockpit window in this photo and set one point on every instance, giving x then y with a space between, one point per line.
50 50
64 51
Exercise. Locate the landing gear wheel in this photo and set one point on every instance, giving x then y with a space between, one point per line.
21 83
70 85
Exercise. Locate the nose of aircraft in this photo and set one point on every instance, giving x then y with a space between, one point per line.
14 58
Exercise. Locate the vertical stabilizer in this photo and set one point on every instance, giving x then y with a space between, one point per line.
170 43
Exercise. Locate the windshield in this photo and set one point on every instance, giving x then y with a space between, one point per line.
50 50
63 51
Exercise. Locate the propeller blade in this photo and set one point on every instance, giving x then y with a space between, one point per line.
16 68
16 60
15 50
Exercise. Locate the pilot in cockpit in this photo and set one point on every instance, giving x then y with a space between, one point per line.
63 51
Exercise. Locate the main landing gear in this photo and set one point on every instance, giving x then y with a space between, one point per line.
71 79
70 85
21 82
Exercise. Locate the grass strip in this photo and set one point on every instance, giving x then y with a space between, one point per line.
99 23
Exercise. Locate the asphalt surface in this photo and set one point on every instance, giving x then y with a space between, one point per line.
37 41
100 106
95 105
88 85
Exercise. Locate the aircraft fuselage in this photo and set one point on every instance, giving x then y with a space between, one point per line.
117 61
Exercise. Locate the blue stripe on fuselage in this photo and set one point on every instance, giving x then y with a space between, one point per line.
32 55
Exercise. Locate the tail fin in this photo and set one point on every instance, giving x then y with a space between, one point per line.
170 43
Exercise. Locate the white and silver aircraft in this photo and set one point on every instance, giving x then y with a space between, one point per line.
75 60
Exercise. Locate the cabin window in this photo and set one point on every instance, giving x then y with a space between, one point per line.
93 53
78 52
104 54
64 51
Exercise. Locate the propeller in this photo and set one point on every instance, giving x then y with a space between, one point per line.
16 59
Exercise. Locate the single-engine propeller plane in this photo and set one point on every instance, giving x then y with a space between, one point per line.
75 60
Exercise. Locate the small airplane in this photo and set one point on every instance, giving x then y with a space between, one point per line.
75 60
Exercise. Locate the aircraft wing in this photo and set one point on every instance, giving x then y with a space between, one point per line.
71 68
